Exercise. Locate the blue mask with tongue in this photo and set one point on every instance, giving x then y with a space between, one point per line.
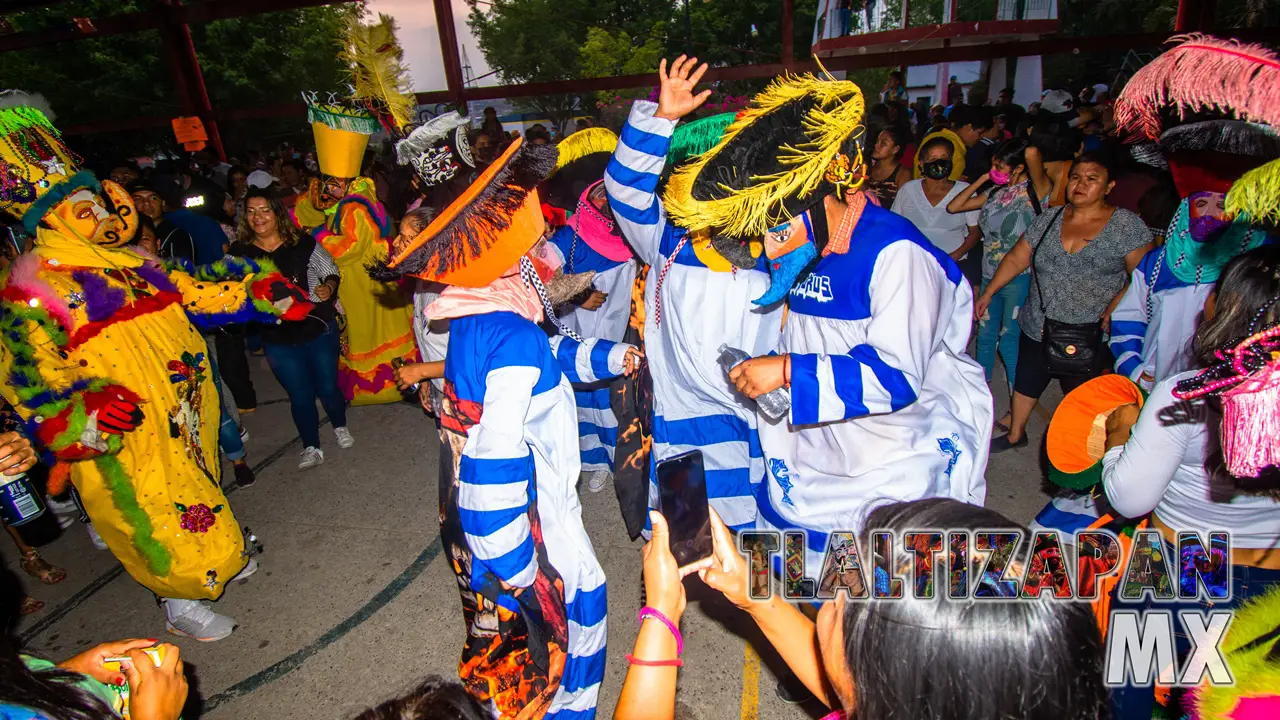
785 270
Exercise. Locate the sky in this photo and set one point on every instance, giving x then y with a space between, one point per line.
416 23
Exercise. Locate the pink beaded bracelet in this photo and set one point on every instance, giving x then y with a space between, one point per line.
648 612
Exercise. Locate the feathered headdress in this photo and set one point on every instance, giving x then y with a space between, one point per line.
486 230
36 169
791 147
1224 80
691 139
583 143
379 78
582 160
1203 73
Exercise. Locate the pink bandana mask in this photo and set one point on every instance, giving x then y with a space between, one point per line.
598 231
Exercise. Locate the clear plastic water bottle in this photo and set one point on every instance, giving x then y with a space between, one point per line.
775 403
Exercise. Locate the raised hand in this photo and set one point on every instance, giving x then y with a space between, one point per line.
676 98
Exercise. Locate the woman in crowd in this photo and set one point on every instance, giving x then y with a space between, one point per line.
924 202
888 171
1006 207
80 688
1175 470
879 659
303 355
1080 257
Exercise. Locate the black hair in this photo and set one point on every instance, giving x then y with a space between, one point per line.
979 117
126 164
897 75
970 659
289 233
435 698
235 170
144 221
937 142
51 693
1011 152
1096 157
901 137
1245 302
1056 141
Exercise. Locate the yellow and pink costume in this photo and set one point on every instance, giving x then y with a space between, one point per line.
100 357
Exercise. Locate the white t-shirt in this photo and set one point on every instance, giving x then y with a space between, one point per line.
1161 468
945 230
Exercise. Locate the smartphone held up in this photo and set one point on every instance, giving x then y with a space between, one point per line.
682 489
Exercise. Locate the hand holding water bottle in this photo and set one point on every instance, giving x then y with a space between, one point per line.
763 379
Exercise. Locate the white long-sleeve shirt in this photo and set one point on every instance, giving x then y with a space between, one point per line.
885 405
695 406
1161 468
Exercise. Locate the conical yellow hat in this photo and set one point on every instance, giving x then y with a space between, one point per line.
341 137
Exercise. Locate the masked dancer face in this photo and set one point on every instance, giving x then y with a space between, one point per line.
87 215
1207 217
790 249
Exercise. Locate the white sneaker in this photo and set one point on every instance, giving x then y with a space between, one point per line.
244 435
250 568
190 618
597 479
65 512
344 437
96 538
311 457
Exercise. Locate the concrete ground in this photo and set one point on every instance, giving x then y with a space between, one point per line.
354 603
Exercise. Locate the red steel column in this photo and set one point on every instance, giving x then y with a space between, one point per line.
788 33
449 49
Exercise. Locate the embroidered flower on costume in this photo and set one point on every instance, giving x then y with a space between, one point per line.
198 517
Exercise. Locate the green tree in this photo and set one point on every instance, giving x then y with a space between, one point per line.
541 40
604 54
246 62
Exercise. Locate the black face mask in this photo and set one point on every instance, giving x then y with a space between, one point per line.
936 169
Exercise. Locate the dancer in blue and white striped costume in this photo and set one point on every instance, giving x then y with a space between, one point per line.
695 301
516 502
597 426
533 593
885 405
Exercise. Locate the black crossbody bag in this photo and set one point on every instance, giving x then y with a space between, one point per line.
1070 349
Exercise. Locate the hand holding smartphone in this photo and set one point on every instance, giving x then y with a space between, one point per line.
682 488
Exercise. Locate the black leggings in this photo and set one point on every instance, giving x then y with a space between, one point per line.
1032 376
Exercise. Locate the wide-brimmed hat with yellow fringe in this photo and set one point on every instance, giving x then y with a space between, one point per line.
796 143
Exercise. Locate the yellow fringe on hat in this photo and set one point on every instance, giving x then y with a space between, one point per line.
837 114
1256 195
378 72
583 143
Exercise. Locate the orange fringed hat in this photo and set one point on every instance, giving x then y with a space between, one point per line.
485 231
1076 440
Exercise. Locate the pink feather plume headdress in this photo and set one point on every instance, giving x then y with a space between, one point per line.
1203 73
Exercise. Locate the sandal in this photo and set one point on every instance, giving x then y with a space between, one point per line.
30 605
38 567
1003 427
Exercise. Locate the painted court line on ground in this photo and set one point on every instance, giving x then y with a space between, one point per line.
105 579
750 683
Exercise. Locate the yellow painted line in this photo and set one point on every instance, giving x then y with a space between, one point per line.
750 683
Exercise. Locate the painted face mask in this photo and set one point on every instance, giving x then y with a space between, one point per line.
790 249
109 222
998 177
936 169
1206 226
